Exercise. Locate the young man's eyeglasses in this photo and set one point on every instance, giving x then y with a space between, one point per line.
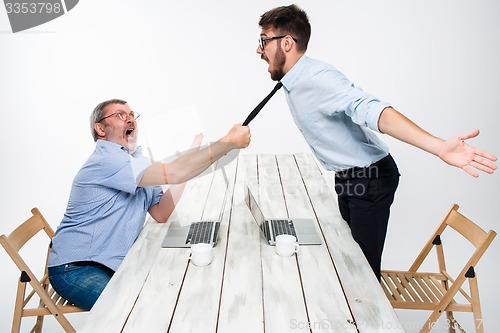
123 115
264 40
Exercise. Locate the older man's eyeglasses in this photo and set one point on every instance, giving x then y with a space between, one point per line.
264 40
123 115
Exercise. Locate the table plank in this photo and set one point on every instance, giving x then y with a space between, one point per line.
283 298
158 297
369 305
198 304
241 307
326 306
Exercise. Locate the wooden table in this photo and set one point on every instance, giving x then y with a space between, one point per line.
248 287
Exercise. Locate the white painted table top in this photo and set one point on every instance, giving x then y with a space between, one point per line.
248 287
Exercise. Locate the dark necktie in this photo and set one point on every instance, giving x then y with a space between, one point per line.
261 104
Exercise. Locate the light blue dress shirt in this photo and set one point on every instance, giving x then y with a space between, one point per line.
106 208
336 118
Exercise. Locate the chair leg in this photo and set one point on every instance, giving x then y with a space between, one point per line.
451 321
65 324
16 324
431 322
39 320
476 305
460 327
18 307
63 321
38 325
426 328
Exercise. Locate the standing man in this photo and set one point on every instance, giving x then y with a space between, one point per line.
337 120
110 197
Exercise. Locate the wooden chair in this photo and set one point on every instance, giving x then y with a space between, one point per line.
437 291
49 302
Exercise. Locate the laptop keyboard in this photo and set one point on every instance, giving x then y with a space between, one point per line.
200 232
282 227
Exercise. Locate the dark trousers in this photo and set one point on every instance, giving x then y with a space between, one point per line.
365 196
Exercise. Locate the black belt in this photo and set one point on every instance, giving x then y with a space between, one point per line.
88 263
370 171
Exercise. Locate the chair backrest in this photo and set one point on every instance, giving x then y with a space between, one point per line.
465 227
22 234
468 229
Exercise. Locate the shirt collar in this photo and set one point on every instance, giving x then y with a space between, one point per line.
102 143
294 73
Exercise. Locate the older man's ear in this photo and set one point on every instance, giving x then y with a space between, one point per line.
99 129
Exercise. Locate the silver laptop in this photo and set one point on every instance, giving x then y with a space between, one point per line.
198 231
303 229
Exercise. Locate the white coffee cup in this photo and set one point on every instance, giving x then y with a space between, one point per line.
286 245
200 254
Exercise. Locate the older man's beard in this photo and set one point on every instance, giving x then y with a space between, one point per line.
279 64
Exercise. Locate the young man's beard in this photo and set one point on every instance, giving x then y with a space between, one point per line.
279 63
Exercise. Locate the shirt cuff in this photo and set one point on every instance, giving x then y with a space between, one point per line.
375 109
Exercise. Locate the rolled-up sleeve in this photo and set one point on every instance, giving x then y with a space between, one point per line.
364 109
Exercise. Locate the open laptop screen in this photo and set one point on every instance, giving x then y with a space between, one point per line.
254 208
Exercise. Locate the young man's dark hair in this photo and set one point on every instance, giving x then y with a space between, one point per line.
289 20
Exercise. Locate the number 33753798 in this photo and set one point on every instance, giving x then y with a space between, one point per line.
33 7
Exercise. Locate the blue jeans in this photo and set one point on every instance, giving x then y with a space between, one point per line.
80 284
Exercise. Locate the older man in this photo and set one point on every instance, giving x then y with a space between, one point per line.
110 197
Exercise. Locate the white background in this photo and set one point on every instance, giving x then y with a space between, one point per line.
435 61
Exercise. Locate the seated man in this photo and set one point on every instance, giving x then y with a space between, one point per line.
110 197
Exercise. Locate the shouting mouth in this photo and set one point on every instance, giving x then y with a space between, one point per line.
130 134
